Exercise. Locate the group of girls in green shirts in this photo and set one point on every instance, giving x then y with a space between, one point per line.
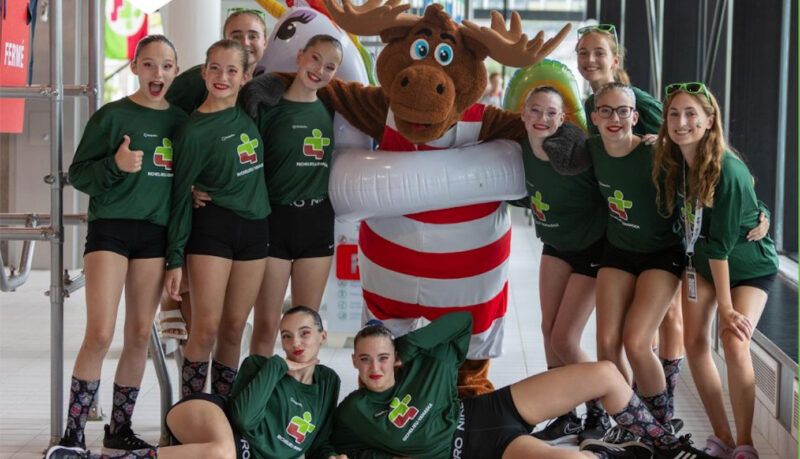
644 173
139 160
621 230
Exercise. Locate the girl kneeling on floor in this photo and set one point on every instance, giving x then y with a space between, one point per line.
409 406
280 407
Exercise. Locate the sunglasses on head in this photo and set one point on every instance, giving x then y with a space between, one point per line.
258 13
607 28
693 87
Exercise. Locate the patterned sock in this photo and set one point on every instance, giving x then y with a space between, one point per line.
638 420
671 370
594 404
121 412
137 454
657 405
222 377
193 376
81 396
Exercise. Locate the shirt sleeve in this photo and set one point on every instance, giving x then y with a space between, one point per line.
187 165
588 108
188 90
449 333
322 446
253 388
94 170
650 113
726 217
348 444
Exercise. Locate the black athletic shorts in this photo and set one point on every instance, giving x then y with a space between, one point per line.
671 260
242 445
492 422
586 261
129 238
762 283
220 232
302 229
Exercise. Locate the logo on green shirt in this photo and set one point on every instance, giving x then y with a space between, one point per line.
162 156
538 206
299 428
247 149
312 146
402 413
618 204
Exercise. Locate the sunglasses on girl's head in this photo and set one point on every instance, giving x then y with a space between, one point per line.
693 87
607 28
259 13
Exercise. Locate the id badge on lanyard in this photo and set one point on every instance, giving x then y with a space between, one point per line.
692 231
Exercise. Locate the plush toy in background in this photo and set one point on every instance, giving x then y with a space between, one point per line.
431 75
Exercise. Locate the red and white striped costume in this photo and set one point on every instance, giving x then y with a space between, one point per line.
432 263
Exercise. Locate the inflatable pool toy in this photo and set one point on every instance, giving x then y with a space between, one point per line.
548 72
379 183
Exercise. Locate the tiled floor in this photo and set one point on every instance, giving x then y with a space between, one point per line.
25 364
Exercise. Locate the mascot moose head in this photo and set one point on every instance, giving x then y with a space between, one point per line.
431 70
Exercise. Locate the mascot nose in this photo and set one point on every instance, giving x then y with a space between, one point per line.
427 83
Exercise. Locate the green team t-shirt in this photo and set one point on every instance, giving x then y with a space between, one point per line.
416 417
568 211
634 222
649 109
298 152
723 234
220 153
279 416
188 90
143 195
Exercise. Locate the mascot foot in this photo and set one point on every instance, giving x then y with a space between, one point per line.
473 378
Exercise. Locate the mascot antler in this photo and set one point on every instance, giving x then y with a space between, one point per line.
371 18
511 47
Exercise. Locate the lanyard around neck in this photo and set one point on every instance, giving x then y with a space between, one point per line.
691 229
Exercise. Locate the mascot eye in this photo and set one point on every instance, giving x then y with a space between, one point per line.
419 49
444 54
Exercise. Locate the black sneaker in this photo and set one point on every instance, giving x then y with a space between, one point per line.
683 449
631 450
123 440
65 452
595 425
561 430
69 441
618 435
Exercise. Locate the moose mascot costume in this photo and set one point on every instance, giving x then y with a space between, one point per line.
431 75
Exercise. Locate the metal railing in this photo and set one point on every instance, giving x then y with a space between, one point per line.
53 233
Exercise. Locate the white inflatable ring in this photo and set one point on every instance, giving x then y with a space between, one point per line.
367 184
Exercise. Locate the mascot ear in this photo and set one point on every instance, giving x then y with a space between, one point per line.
394 33
480 50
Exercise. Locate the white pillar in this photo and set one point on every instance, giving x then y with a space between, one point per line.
192 25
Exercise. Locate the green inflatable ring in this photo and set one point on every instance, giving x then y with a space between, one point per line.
548 72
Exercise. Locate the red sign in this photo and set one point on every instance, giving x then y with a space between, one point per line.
347 262
15 47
